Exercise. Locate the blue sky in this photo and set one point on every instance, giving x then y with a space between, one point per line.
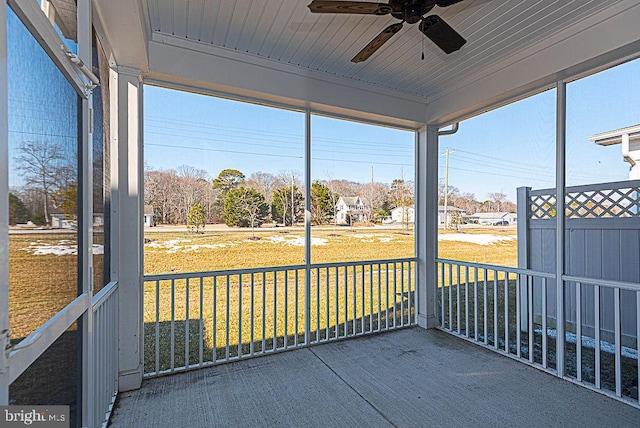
213 134
497 151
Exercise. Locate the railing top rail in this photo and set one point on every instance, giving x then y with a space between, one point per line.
227 272
590 187
103 294
500 268
603 282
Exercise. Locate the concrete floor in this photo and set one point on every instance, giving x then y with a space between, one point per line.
406 378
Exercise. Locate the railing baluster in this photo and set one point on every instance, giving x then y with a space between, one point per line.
355 300
441 294
395 293
363 300
275 310
264 312
379 299
638 341
286 308
450 297
317 305
337 275
200 327
295 322
186 324
466 301
475 303
251 345
157 326
544 323
173 320
371 297
326 280
618 344
485 292
530 316
239 315
458 318
506 312
495 309
386 308
402 294
596 298
214 343
518 315
578 332
227 304
346 302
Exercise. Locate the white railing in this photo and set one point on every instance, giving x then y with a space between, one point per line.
511 311
194 320
104 381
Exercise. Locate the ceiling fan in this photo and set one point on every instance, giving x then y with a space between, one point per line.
409 11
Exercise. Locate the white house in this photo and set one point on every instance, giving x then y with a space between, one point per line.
148 216
402 215
493 218
352 209
450 209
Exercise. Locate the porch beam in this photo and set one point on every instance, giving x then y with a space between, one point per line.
127 91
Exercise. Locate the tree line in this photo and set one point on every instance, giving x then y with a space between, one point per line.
187 195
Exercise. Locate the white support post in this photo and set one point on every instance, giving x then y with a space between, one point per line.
127 91
427 225
4 206
86 198
561 114
307 229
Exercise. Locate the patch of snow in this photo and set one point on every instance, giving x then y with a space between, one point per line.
362 235
297 241
59 249
589 342
386 239
98 249
480 239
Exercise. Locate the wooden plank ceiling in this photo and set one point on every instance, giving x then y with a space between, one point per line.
285 31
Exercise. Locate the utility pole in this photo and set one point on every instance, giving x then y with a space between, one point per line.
446 185
293 215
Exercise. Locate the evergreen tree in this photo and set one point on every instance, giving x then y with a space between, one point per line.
322 203
18 212
196 218
245 207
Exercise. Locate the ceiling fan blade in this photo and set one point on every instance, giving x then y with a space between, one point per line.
363 8
377 42
441 33
447 3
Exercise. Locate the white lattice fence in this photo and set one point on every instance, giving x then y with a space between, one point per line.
606 200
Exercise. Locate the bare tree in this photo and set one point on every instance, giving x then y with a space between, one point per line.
39 163
263 182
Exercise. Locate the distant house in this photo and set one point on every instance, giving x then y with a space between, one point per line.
492 219
450 209
402 215
148 216
60 220
352 209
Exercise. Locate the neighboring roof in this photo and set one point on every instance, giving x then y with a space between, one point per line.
353 200
148 210
615 137
410 207
491 215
